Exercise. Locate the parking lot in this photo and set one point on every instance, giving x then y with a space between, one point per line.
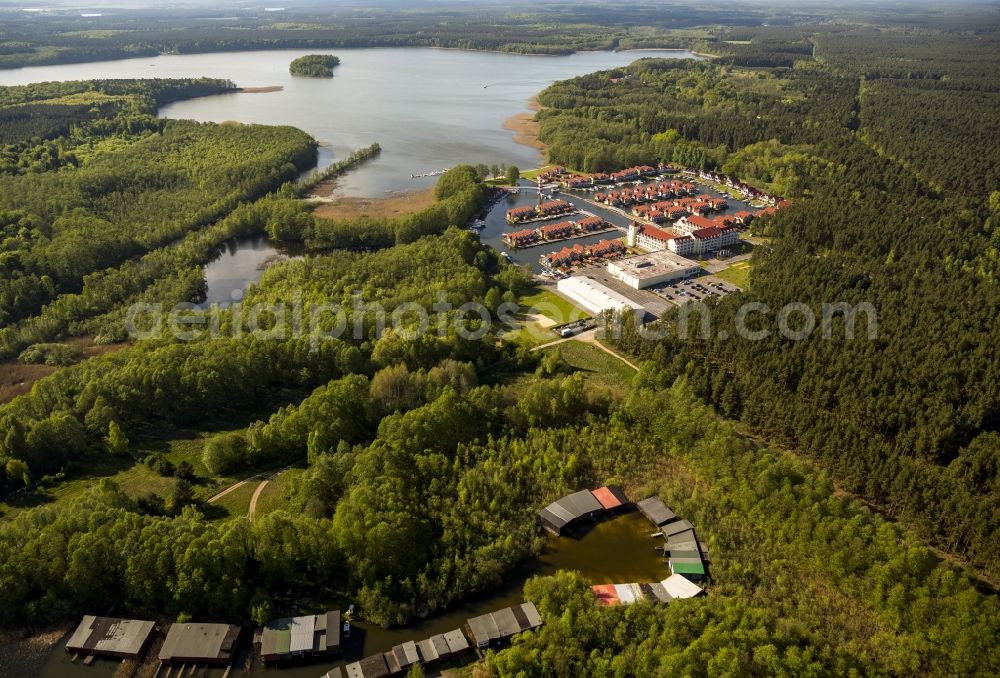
694 289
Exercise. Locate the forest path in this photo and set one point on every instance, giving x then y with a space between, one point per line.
252 511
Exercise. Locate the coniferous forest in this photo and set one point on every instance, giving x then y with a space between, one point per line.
846 488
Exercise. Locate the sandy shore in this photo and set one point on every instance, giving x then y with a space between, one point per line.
262 90
525 127
394 205
25 655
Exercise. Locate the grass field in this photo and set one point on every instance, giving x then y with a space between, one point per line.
541 310
737 274
237 502
273 496
552 306
134 478
599 368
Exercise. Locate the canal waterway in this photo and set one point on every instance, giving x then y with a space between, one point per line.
615 551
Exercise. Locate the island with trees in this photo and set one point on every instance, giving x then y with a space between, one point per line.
314 66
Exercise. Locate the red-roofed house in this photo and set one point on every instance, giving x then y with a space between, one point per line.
606 248
554 207
588 224
521 238
520 213
559 230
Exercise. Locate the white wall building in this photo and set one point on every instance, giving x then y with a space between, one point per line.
646 270
597 297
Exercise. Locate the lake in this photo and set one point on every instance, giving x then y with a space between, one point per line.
241 261
428 108
616 551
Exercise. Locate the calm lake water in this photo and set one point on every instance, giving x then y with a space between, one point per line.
240 262
616 551
428 108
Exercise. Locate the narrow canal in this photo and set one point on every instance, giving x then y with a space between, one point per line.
619 550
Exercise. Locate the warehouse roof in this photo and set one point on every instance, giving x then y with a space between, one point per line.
107 635
656 511
595 296
606 594
660 592
433 648
530 613
625 594
406 654
686 536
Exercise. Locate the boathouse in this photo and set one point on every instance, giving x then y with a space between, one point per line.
656 511
494 628
369 667
200 644
110 637
564 515
308 636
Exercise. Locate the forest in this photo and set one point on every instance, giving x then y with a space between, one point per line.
847 489
135 184
894 204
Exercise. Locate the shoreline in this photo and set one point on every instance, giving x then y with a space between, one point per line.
391 206
261 90
525 128
27 653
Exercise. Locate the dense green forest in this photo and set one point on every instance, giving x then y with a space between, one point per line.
549 28
846 489
81 202
893 175
735 32
314 65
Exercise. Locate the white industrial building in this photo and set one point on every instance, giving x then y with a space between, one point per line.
646 270
597 297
